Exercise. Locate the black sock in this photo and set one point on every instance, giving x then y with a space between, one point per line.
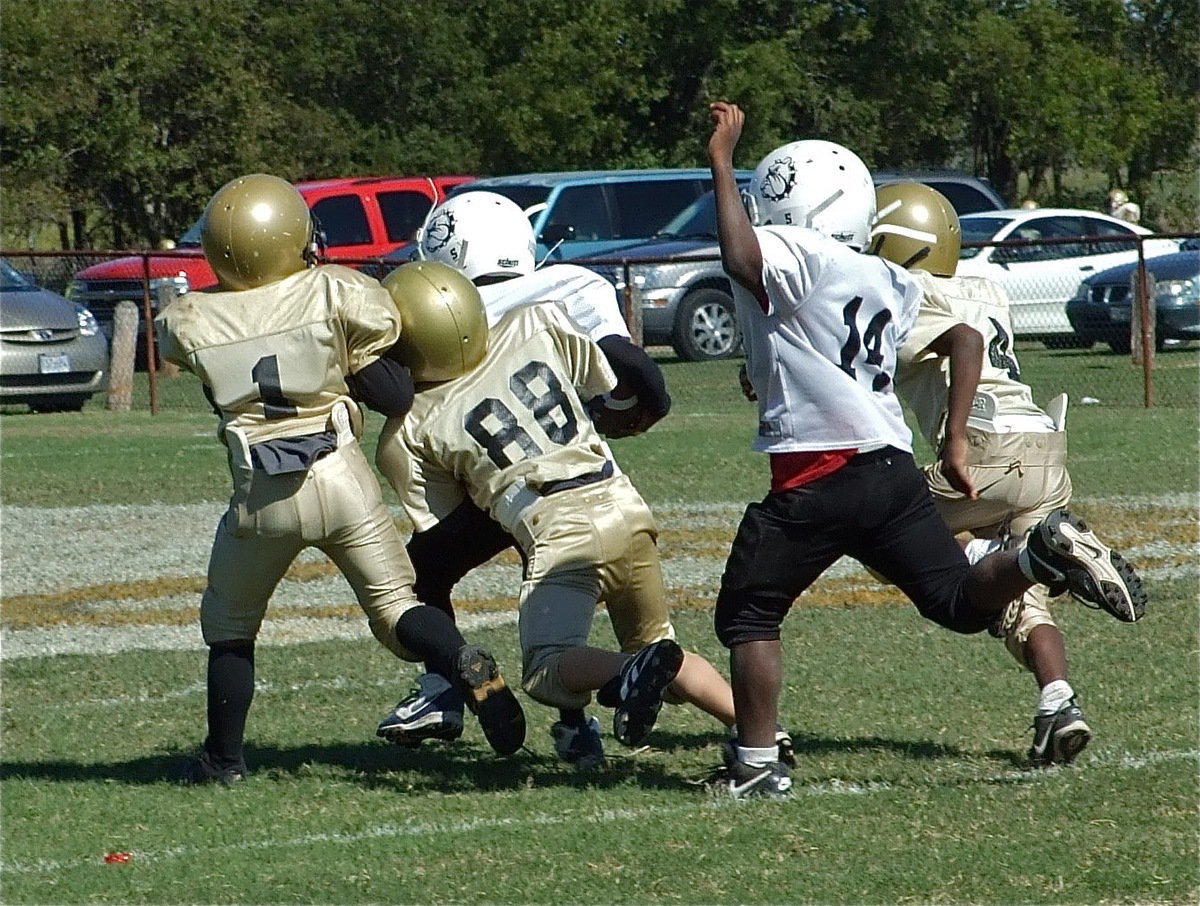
431 635
572 717
230 691
609 695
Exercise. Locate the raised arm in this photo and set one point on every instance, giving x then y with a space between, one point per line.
741 255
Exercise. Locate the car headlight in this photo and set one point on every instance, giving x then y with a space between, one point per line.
1177 292
660 276
88 326
179 283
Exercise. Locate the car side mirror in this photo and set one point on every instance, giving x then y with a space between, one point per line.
553 235
1002 256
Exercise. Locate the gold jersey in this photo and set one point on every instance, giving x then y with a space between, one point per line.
517 417
276 357
923 377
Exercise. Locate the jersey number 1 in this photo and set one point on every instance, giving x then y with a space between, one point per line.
265 374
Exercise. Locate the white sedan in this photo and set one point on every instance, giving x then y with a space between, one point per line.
1041 278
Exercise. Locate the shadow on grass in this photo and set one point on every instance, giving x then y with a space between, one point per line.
463 767
433 767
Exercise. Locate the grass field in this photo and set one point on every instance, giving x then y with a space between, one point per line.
911 785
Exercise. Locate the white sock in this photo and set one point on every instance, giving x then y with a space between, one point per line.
1054 696
757 758
978 548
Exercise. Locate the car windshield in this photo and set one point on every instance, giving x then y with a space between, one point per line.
979 229
697 221
11 279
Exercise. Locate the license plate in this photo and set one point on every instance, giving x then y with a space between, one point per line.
1120 315
54 364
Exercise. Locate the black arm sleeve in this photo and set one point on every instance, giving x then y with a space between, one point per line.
442 555
385 385
636 370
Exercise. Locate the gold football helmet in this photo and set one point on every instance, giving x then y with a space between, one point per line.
916 226
256 229
443 324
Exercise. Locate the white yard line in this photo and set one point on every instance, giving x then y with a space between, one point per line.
212 851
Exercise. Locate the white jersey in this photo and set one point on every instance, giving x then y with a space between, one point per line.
587 298
822 358
516 417
923 380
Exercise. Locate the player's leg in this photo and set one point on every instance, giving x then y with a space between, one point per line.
362 540
782 545
243 570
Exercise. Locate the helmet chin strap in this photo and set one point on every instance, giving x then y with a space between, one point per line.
315 250
548 254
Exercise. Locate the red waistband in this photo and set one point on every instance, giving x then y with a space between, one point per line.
791 470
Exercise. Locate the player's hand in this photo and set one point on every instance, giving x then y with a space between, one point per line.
728 120
954 467
618 423
747 387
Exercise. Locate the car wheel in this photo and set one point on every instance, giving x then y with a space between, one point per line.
1123 344
705 326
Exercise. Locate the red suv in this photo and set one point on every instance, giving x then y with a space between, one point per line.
360 218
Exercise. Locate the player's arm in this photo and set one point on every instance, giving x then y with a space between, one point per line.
741 255
640 398
384 385
441 555
963 346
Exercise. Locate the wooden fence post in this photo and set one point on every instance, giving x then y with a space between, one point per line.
121 357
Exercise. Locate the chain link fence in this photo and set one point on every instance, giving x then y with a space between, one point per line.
1125 337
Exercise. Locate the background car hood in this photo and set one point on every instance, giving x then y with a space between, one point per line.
1176 266
668 248
27 309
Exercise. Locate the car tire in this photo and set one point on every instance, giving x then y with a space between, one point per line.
1123 345
706 328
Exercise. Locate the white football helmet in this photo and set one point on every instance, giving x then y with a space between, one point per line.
815 184
482 234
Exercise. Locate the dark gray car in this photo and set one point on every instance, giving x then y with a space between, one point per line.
53 356
1102 308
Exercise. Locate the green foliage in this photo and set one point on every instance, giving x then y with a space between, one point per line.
118 119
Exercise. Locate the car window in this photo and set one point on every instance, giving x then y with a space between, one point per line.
190 239
1045 228
343 220
980 229
586 209
697 220
11 279
965 198
644 207
403 213
1094 226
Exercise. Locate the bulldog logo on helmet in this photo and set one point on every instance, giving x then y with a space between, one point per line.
439 231
779 180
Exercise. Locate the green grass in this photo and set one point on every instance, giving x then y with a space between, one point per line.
910 787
